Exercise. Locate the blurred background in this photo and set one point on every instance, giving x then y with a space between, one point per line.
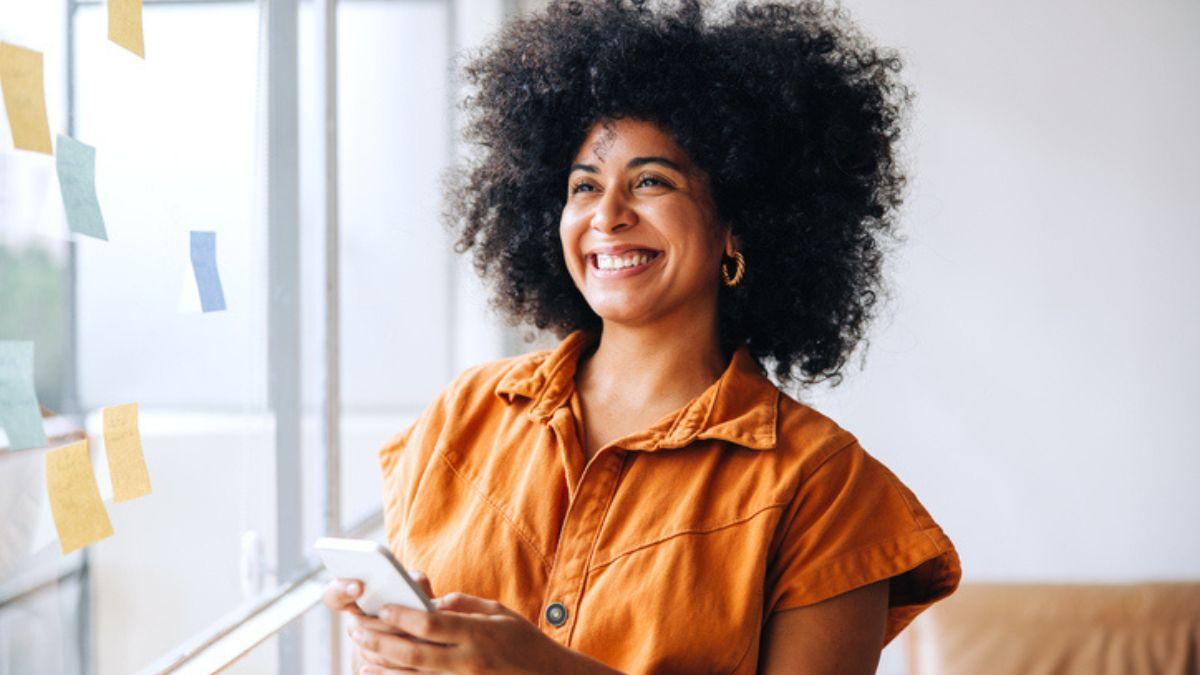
1034 377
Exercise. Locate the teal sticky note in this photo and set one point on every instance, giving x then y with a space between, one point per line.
19 412
77 179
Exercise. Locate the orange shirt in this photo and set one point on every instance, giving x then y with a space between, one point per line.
672 547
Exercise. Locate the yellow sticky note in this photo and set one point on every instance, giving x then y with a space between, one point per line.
79 514
25 97
123 447
125 25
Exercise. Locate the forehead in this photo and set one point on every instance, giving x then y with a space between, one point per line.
627 137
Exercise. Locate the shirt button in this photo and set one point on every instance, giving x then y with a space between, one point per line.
556 614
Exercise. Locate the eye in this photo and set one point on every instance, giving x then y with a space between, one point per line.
579 186
658 181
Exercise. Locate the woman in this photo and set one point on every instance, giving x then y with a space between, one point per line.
685 200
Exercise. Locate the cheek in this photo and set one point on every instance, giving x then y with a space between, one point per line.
569 234
697 255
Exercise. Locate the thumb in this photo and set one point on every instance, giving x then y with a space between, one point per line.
469 604
423 581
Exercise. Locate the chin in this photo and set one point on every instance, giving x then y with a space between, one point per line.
626 314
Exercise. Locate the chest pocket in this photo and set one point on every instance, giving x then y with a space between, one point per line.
464 541
691 603
680 566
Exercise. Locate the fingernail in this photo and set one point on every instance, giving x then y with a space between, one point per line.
352 588
359 634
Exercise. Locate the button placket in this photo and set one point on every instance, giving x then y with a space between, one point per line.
570 452
581 526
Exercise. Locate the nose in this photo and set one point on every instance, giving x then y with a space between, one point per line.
613 214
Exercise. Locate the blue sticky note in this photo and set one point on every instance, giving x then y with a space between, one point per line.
204 263
77 181
19 412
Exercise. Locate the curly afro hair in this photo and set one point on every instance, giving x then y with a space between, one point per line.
792 114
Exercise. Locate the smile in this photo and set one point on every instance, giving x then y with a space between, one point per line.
628 263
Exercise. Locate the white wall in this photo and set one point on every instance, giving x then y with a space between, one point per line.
1036 379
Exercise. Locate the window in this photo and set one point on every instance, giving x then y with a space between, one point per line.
183 142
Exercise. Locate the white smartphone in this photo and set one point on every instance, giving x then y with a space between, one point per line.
383 578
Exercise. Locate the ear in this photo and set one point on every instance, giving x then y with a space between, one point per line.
732 244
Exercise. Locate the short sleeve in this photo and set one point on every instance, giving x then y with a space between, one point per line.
852 523
403 460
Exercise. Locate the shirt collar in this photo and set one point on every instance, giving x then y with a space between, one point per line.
741 407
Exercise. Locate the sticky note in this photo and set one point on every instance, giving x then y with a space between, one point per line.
25 97
123 448
204 264
76 163
20 414
79 514
125 25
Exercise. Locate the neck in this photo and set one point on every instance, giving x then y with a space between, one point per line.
665 364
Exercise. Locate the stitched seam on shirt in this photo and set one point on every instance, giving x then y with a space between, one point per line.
421 482
774 438
856 553
892 480
757 640
708 530
912 512
553 374
749 645
521 532
820 464
587 569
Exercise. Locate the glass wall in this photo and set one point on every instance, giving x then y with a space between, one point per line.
180 140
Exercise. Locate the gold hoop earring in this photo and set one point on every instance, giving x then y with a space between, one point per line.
736 279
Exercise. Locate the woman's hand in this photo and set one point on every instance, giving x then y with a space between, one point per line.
466 634
340 596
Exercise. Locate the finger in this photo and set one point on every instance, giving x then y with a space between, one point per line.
368 659
423 581
432 626
341 594
372 623
469 604
369 669
395 651
366 668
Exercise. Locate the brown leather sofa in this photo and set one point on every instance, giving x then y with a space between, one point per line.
1036 629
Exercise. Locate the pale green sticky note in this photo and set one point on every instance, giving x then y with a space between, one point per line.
76 163
20 414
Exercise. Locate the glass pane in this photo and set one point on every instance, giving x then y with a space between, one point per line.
393 70
42 592
176 151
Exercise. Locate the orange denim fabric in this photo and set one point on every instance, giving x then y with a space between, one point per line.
673 547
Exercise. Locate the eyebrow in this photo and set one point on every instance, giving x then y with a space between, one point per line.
632 164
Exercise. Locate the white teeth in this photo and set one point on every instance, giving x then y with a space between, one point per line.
609 262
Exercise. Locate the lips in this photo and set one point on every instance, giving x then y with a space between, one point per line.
627 263
628 258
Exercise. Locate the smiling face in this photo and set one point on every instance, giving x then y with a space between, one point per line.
639 230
